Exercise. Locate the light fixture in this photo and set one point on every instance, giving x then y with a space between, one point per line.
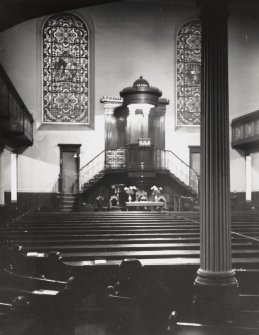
141 96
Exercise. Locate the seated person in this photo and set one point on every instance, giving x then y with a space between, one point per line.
99 202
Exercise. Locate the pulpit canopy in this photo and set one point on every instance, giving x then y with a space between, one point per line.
140 95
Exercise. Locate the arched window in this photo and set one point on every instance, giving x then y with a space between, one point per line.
65 70
189 74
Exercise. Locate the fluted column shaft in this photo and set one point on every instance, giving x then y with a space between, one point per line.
215 276
215 181
248 178
2 198
114 127
14 179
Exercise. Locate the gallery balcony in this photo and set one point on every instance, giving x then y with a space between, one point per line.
245 132
16 122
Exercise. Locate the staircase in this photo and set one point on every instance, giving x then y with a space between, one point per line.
91 182
68 202
153 161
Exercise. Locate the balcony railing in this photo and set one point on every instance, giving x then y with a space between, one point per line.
245 132
16 121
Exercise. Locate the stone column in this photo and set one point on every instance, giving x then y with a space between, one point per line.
145 133
248 178
2 199
215 285
133 128
157 123
14 179
137 123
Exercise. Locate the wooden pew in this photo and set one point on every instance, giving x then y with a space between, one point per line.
189 328
86 238
135 306
37 264
37 305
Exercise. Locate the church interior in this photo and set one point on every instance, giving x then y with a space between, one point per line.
129 167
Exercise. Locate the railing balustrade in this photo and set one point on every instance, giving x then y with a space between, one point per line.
167 159
91 169
245 132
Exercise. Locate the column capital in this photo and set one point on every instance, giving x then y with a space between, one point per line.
213 10
110 104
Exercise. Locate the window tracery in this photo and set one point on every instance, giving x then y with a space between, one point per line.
189 74
65 70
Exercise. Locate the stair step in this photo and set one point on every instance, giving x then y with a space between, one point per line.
73 209
67 206
68 202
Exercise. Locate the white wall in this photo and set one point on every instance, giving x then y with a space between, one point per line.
243 85
130 39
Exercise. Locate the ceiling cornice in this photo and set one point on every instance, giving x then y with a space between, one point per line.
13 12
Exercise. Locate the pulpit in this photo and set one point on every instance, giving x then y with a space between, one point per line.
140 157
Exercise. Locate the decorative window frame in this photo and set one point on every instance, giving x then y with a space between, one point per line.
177 125
40 124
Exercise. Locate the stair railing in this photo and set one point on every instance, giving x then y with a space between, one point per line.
92 168
107 159
167 159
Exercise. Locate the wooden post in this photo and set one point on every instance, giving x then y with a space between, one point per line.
14 177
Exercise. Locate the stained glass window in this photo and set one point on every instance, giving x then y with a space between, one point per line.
65 70
189 74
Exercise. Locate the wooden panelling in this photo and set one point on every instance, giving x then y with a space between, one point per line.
16 122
